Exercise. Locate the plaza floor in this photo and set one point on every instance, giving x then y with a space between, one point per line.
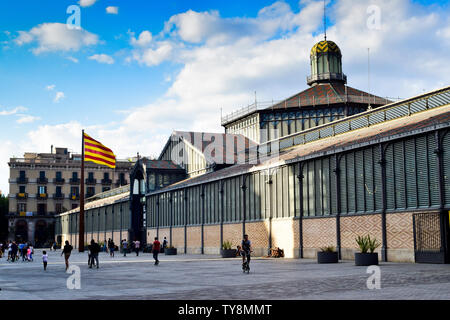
208 277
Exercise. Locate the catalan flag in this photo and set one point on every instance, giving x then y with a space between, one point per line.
96 152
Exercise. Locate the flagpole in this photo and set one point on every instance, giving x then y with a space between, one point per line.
81 228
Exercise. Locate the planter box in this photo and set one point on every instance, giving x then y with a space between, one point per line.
170 251
327 257
228 253
366 259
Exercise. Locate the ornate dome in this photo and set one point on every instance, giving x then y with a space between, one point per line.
325 46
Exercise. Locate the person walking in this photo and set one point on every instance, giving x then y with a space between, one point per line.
44 259
14 249
23 251
67 250
155 249
9 250
112 247
125 247
94 248
137 246
164 244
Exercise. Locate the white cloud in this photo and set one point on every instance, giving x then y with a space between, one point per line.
23 118
74 60
102 58
144 39
50 87
12 111
56 37
87 3
112 10
59 96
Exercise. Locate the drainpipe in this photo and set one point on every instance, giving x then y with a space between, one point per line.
337 172
382 163
439 152
244 211
202 195
300 220
221 191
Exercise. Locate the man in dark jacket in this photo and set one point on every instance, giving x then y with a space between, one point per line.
14 249
94 249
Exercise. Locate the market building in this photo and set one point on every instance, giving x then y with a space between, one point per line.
317 169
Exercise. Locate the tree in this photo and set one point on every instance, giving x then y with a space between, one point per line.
3 217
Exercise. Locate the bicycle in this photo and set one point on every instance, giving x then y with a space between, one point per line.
245 262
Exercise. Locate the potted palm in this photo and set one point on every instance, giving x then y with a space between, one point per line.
226 251
366 256
170 251
327 255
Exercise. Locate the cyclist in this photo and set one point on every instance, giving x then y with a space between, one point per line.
246 249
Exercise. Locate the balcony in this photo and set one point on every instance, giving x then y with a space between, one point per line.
58 196
59 181
75 181
106 181
42 181
21 195
41 196
22 180
91 181
121 183
75 197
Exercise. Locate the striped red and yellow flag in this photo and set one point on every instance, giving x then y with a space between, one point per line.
96 152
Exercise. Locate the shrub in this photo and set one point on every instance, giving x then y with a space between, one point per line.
328 249
226 245
367 244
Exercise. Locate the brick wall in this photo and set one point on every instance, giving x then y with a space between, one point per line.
354 226
318 233
178 239
194 240
212 239
400 237
233 233
258 232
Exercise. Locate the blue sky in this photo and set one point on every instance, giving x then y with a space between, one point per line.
132 76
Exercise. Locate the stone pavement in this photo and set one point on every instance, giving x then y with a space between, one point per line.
210 277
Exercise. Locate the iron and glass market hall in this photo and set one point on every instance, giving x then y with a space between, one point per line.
317 169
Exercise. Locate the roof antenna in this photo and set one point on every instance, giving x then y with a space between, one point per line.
325 19
368 74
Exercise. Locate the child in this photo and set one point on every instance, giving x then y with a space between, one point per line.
45 259
29 254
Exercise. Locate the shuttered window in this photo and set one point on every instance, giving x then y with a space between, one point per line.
359 181
351 192
446 165
390 177
400 198
422 171
318 187
343 182
411 173
433 171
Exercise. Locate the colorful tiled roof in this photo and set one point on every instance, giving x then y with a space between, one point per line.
325 46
